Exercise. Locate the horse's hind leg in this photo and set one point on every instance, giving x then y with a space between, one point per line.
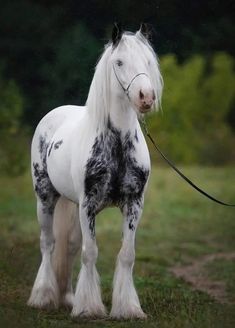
45 290
67 232
74 244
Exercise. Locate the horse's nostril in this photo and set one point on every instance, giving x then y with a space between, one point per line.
141 95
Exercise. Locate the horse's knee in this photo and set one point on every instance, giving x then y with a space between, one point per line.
89 253
126 257
47 243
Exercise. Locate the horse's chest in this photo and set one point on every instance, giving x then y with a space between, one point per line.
113 175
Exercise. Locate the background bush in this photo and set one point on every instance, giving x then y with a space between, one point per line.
192 128
49 51
14 139
197 99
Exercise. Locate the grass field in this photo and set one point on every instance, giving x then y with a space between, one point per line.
184 243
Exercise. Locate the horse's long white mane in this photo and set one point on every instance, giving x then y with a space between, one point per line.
98 101
98 96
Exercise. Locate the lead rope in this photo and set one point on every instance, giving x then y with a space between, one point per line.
144 125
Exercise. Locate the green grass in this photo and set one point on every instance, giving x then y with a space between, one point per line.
223 270
178 225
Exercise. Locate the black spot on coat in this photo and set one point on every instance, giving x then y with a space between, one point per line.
136 136
50 149
43 186
58 144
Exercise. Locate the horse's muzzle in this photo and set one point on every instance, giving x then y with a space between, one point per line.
146 100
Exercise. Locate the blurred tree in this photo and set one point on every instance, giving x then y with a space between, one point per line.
30 32
69 76
49 49
193 126
183 27
13 135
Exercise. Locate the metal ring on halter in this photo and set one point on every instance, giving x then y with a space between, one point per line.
126 90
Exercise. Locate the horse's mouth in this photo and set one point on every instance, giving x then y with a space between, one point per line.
145 109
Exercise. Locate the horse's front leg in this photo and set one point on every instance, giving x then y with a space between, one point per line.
125 301
87 301
45 292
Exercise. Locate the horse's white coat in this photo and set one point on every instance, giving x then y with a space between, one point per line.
62 145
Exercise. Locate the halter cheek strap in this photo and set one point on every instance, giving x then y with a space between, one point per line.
126 90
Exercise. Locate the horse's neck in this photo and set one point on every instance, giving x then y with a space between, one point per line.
122 116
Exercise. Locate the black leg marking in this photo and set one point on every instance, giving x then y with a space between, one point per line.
136 136
43 186
92 225
131 217
132 214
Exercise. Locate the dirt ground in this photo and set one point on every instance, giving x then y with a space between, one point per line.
195 274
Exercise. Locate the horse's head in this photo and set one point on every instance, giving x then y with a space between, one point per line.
128 74
134 69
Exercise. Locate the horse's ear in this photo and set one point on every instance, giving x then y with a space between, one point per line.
117 33
146 31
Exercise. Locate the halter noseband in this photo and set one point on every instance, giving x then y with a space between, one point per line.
126 90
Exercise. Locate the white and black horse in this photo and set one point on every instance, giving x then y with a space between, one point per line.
85 159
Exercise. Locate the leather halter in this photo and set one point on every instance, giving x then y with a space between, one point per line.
126 90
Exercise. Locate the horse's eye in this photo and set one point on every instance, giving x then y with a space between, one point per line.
119 63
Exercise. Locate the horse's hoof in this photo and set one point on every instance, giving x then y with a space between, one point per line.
43 298
96 313
128 314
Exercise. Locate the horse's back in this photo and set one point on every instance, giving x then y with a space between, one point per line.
55 118
52 121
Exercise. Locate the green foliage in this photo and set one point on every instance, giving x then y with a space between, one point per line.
51 47
52 58
40 41
197 98
13 136
69 75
